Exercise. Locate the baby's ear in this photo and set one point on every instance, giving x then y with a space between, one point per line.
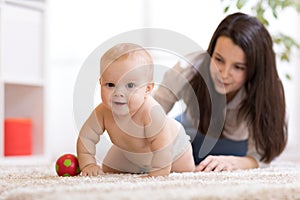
149 87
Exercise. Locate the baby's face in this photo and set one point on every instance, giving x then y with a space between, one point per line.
124 85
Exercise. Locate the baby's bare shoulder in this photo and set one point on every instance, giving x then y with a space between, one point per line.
102 109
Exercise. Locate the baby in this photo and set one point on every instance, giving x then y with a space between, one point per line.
144 139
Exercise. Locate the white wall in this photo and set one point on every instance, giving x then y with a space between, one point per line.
289 24
76 28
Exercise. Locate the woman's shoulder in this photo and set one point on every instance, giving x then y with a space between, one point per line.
195 54
196 59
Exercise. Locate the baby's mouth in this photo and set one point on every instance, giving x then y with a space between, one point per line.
119 103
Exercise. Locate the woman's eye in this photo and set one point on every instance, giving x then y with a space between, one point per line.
240 67
130 85
218 59
110 85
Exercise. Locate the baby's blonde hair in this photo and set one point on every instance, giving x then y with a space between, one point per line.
125 50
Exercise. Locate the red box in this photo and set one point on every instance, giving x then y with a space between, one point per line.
17 137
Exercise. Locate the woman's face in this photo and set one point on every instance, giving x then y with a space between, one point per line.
228 67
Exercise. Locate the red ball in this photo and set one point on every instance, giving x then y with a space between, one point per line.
67 165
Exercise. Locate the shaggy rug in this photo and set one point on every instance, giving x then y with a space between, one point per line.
279 181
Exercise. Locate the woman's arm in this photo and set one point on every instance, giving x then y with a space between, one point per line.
172 84
226 163
230 163
174 80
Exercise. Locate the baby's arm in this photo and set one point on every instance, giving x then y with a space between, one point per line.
88 137
160 137
162 154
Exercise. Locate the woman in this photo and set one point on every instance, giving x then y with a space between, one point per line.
241 66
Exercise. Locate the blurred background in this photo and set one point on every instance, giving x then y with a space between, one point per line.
72 29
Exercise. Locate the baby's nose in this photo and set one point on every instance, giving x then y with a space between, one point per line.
119 93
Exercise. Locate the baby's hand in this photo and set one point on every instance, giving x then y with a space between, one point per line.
92 170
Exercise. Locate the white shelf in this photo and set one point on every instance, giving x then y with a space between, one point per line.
25 160
29 4
21 43
40 82
22 71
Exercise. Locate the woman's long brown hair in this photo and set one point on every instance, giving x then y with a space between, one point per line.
264 105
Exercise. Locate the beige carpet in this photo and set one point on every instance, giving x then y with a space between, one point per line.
279 181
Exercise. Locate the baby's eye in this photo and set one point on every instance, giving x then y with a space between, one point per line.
130 85
110 84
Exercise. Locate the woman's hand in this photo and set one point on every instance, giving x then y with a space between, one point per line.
226 163
92 170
